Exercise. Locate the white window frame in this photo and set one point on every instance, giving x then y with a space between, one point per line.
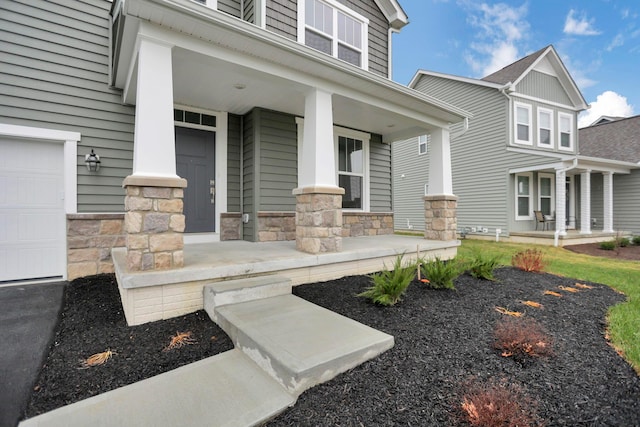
552 205
423 141
571 130
516 123
528 217
550 129
365 138
364 36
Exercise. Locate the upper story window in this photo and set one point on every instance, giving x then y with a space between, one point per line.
566 131
334 29
422 143
523 124
545 128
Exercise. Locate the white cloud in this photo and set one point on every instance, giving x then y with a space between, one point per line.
580 26
608 103
616 42
499 26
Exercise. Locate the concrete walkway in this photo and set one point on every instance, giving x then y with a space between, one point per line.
28 317
284 345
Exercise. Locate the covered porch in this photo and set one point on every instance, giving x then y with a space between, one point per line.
155 295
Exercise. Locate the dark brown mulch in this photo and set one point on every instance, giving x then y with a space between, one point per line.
443 341
629 252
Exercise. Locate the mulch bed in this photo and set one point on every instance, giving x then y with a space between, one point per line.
631 252
443 343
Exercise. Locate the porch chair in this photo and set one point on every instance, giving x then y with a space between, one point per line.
543 219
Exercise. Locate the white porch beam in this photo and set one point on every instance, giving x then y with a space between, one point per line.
440 177
607 189
585 202
154 153
317 158
561 214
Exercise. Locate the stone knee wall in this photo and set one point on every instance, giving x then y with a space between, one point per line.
276 226
356 224
230 226
440 214
90 238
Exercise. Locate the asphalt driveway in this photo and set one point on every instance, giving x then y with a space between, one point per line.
28 317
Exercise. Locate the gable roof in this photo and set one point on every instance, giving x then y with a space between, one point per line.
616 140
606 119
513 72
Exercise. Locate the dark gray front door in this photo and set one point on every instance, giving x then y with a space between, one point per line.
195 161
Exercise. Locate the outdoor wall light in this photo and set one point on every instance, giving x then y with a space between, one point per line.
92 161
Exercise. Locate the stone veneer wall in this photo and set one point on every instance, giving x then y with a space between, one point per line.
318 220
440 214
90 238
230 226
276 226
356 224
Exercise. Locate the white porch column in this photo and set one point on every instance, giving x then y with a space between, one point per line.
318 162
440 177
154 151
585 202
607 189
561 202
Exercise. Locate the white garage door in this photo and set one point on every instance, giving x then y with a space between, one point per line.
32 215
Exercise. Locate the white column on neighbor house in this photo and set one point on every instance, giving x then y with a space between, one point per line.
607 190
585 202
440 177
317 158
561 203
154 152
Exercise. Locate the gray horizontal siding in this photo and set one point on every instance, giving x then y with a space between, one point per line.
410 174
626 202
249 176
233 163
232 7
379 175
282 18
597 200
544 86
249 10
53 68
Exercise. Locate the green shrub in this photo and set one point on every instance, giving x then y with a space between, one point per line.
608 246
636 240
623 242
531 260
441 274
482 266
389 285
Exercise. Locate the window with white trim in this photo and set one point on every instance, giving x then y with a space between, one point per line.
523 124
351 171
524 196
565 128
334 29
546 193
423 140
545 128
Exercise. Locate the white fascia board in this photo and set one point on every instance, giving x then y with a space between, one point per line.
476 82
617 166
394 13
546 166
536 152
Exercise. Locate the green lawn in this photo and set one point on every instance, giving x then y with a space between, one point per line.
624 276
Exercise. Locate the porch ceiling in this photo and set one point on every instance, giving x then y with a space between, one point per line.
225 64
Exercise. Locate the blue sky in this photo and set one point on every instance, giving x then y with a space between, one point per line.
598 41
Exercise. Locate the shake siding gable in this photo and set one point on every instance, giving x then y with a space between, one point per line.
544 86
54 74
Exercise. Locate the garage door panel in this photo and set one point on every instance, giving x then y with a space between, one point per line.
40 262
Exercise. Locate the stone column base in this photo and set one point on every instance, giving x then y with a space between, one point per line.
154 223
440 214
319 219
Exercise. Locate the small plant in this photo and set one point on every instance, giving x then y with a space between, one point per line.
96 359
521 338
441 274
499 404
180 339
389 285
531 260
482 266
636 240
623 242
608 246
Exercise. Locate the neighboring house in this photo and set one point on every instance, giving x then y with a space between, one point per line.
618 141
518 154
219 118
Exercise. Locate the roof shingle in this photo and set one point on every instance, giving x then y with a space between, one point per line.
617 140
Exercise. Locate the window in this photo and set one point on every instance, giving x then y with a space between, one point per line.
566 131
546 194
351 171
523 124
422 143
332 28
523 196
545 128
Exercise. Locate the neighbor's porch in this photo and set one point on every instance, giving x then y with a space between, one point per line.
547 237
156 295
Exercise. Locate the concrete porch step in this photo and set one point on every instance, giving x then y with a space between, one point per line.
299 343
224 390
241 290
